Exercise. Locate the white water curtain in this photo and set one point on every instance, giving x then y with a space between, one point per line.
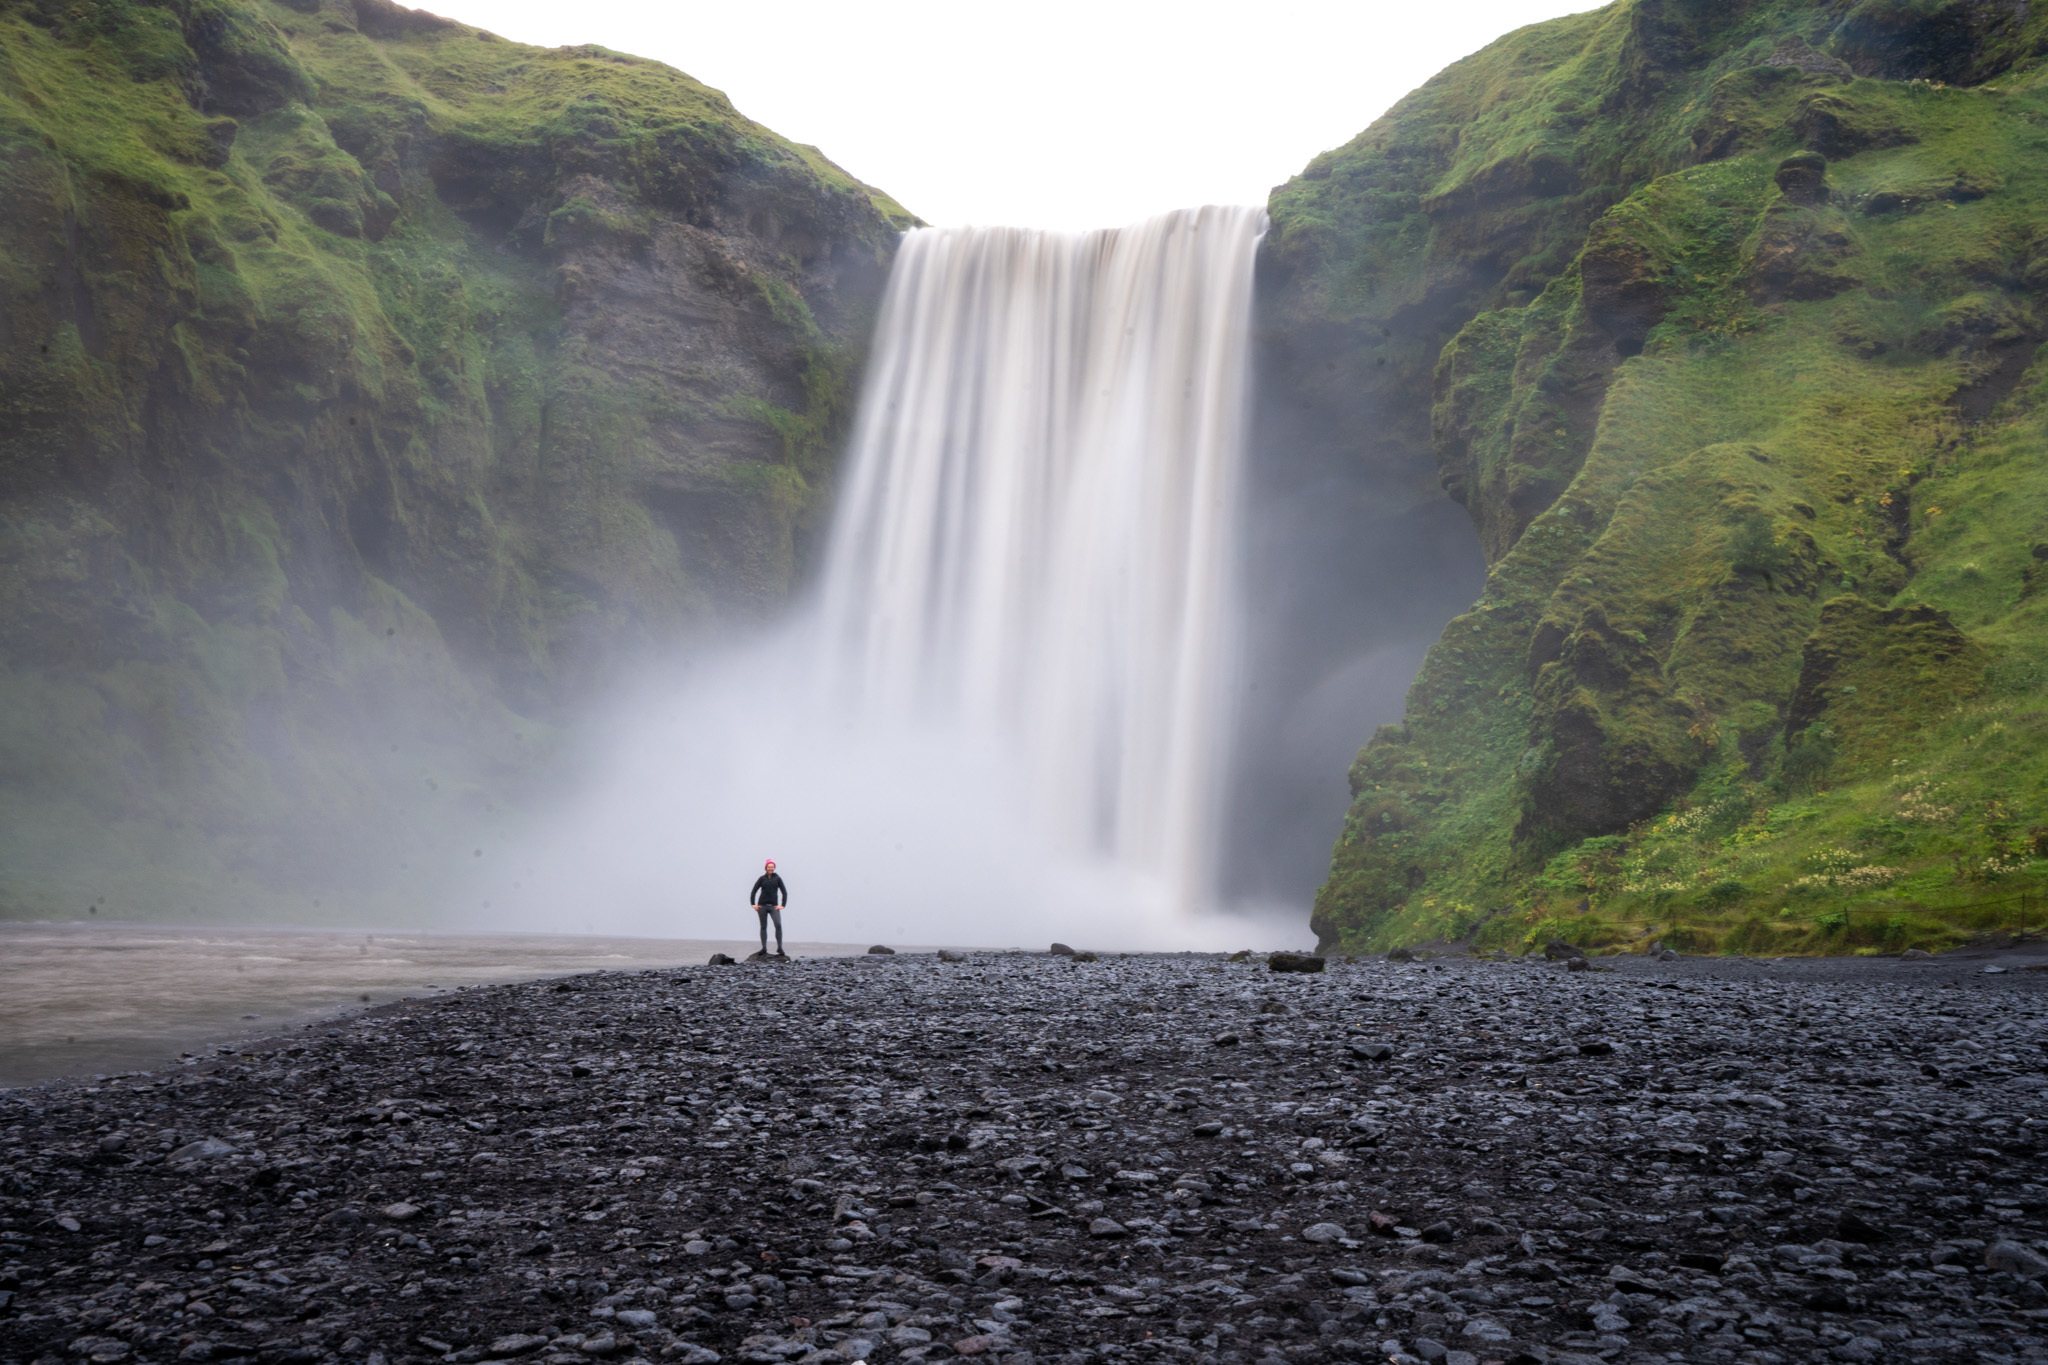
1003 717
1035 540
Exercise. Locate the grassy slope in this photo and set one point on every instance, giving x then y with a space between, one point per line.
303 474
1760 660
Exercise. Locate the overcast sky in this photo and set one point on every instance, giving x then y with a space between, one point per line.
1061 113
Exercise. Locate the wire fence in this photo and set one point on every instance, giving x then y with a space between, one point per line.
1863 924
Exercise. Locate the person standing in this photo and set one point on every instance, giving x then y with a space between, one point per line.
770 895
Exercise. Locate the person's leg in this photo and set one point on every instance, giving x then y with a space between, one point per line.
777 912
762 912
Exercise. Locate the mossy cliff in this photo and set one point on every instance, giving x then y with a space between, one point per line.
370 386
1730 314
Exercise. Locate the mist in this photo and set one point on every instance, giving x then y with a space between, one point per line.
896 831
1003 715
1085 661
1085 656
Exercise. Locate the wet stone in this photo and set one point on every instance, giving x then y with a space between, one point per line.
1004 1160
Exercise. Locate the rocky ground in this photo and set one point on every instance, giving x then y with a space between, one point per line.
1033 1158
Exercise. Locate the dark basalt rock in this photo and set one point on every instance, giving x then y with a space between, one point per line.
1803 246
880 950
1952 41
1803 177
2016 1259
1061 950
1835 124
1622 286
686 1164
1295 962
723 960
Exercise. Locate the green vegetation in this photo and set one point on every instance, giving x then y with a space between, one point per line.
349 425
1730 315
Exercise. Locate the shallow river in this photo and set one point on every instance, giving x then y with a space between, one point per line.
76 999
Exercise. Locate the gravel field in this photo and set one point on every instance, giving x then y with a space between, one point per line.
1030 1158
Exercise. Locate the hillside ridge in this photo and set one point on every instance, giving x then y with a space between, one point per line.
1729 314
375 391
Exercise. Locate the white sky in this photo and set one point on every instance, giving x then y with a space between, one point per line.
1060 113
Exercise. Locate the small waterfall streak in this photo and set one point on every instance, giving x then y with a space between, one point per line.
1036 542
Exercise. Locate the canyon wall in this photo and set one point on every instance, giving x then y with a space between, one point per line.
372 389
1727 317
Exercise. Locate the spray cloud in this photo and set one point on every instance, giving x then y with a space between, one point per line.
1005 714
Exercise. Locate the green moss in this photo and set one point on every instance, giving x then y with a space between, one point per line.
311 468
1682 441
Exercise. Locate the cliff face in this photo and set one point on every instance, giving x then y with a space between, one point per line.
1729 315
370 387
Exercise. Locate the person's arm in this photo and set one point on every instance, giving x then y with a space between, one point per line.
754 896
785 890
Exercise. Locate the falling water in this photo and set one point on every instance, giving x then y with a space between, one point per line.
1036 537
1004 712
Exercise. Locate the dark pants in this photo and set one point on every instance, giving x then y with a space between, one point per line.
764 911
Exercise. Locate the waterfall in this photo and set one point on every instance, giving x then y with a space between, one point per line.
1003 714
1035 542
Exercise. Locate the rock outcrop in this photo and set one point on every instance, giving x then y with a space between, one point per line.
1729 317
370 388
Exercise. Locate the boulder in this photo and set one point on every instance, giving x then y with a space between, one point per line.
1295 962
2016 1258
949 955
1061 950
1557 950
1400 955
1803 177
204 1150
722 960
881 950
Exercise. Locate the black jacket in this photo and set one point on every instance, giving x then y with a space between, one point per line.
769 890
